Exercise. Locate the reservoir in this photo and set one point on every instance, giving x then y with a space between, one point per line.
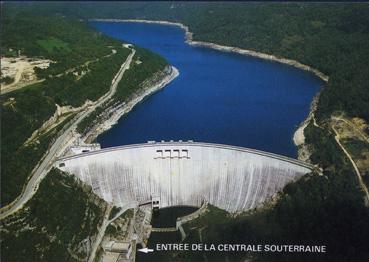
218 97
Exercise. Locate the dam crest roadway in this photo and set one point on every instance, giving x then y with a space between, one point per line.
188 173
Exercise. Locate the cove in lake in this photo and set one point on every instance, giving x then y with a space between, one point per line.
218 97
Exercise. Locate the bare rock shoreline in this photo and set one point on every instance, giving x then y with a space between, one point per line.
298 137
112 114
189 40
303 149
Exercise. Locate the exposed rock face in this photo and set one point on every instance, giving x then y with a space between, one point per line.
112 114
185 173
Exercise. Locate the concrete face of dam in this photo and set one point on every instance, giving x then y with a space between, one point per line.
185 173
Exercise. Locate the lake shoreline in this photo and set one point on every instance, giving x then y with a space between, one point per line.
189 40
298 136
303 150
114 113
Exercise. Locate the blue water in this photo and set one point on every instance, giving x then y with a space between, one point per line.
218 97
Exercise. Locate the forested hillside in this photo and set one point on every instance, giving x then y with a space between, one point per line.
333 38
130 83
67 42
58 224
61 220
84 64
73 47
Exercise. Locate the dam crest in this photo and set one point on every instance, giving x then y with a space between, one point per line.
183 173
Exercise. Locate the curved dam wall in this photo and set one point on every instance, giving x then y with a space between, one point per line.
185 173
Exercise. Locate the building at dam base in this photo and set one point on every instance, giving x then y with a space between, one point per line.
184 173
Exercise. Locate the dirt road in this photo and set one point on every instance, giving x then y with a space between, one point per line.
361 182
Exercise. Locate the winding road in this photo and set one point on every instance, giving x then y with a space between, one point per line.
61 143
357 171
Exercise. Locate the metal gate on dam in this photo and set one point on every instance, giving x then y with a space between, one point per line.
185 173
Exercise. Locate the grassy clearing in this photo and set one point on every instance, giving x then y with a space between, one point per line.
52 44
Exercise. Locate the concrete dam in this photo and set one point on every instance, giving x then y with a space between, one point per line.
184 173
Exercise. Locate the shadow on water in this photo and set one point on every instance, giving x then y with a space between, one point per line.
165 217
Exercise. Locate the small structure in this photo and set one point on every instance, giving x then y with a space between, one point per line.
127 45
79 149
155 202
124 248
